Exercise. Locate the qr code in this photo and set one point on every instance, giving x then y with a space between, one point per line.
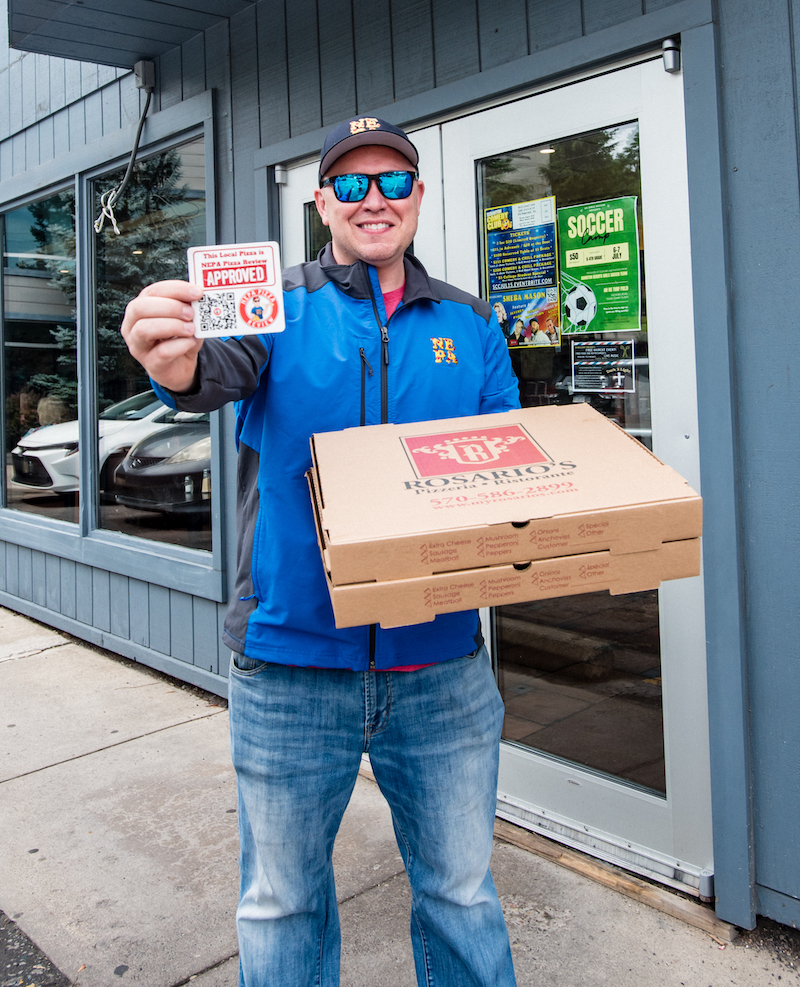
217 312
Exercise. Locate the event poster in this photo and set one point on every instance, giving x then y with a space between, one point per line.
522 271
603 366
599 263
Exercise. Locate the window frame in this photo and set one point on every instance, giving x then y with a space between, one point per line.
189 570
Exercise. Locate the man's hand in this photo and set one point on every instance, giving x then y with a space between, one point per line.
159 332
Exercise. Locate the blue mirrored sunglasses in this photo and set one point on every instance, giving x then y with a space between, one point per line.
354 188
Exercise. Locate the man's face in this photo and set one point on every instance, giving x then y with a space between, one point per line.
375 230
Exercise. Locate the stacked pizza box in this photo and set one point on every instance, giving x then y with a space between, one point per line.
434 517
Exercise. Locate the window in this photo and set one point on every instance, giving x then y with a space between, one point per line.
40 357
154 466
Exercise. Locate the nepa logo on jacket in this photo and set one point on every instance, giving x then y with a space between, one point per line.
506 446
443 350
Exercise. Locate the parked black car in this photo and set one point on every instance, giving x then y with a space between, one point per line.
170 470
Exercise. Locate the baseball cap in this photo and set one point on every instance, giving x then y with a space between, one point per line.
364 130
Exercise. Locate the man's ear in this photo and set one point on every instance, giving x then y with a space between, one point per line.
319 200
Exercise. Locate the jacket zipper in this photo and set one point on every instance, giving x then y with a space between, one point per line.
365 366
384 419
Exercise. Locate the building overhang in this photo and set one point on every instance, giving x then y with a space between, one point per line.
109 33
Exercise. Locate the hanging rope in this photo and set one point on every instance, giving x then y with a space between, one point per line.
109 199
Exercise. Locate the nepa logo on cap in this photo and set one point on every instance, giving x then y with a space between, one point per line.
502 447
364 124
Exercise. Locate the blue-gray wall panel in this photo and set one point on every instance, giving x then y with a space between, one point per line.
598 14
83 593
503 31
337 61
61 131
52 571
39 576
303 62
47 147
244 85
6 160
140 608
68 587
159 619
19 145
412 47
101 599
15 96
93 114
77 125
28 84
131 105
111 108
120 614
12 570
88 78
764 225
218 79
553 23
5 106
181 627
193 66
3 579
455 40
43 91
204 624
273 73
25 571
169 69
374 67
31 146
72 81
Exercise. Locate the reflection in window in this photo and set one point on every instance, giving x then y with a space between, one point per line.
40 365
154 465
580 675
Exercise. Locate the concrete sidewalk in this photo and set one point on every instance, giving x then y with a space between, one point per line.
118 850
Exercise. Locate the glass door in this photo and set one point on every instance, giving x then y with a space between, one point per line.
579 237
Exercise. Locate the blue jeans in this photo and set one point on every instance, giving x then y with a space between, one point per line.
297 735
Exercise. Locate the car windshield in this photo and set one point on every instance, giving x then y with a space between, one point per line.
132 409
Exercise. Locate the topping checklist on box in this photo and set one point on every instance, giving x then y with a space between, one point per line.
242 289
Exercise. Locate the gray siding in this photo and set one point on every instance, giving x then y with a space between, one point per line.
165 628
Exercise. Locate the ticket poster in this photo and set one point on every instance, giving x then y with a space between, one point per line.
599 263
242 289
605 366
522 270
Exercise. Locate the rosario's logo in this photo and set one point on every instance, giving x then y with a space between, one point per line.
504 446
365 123
443 350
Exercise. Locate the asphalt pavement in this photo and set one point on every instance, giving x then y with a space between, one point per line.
118 854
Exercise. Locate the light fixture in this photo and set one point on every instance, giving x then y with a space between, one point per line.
137 251
547 150
64 270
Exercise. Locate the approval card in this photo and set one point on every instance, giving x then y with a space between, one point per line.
242 289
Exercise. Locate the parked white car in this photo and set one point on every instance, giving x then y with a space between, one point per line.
47 457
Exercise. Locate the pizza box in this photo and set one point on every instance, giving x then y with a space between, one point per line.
397 602
404 501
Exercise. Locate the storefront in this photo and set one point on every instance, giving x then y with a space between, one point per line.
577 177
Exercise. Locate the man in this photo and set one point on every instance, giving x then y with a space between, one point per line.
307 699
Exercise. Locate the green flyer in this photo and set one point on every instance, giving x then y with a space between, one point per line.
599 262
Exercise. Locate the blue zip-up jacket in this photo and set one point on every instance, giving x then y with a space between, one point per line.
339 363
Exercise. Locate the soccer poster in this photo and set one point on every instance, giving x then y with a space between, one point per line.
603 367
599 262
522 270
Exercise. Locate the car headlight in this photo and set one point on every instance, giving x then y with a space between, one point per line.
192 453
